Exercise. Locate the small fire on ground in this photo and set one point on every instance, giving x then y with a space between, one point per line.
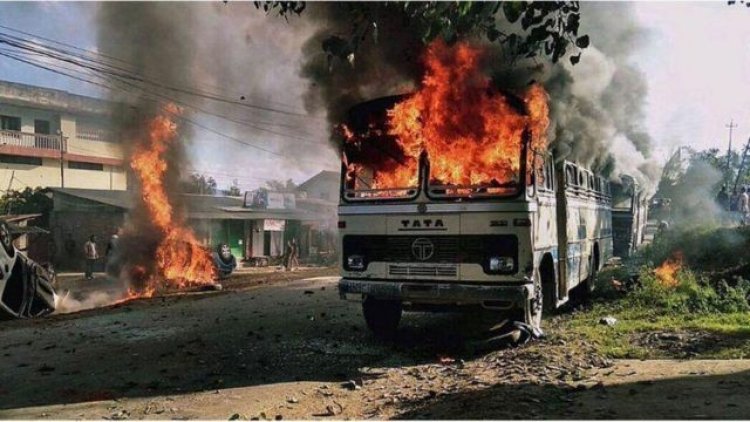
666 273
180 260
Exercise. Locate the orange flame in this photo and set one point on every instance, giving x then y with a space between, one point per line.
472 134
667 271
181 261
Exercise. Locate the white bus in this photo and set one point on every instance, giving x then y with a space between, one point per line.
521 246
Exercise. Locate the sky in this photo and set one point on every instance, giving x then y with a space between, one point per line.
696 59
697 62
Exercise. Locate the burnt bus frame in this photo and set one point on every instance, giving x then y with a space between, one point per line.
423 185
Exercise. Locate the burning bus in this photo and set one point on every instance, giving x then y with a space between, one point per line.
450 198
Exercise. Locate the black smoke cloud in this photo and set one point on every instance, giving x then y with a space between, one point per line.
147 39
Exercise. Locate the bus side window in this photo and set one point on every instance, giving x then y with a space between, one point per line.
550 170
570 177
539 169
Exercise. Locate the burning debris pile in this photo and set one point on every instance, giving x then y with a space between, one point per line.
471 132
179 260
158 252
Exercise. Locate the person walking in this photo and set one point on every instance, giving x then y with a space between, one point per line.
288 255
91 255
295 254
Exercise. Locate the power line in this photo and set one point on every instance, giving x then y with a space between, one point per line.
206 128
115 78
253 125
96 65
106 56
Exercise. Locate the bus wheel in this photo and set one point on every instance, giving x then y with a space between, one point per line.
535 305
382 316
531 313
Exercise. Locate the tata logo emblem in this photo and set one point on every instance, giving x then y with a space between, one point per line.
422 249
426 223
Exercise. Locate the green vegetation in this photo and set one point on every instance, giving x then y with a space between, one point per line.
704 314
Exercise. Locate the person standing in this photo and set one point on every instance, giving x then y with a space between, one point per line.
91 255
744 206
288 255
722 198
112 264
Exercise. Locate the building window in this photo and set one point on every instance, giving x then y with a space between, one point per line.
41 127
10 123
17 159
94 130
80 165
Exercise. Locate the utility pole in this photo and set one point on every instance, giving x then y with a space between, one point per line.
10 185
62 160
742 164
731 125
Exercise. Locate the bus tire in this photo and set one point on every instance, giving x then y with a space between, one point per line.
382 316
535 306
549 283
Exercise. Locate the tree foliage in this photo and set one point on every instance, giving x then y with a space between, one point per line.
28 201
234 190
199 184
287 186
525 29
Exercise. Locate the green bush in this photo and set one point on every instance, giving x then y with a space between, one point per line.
692 294
705 248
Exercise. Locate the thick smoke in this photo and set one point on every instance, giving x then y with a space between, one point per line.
230 51
615 90
596 107
255 59
153 39
386 62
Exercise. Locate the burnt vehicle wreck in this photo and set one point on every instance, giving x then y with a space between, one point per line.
26 288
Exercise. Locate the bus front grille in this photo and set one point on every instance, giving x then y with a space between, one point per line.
423 270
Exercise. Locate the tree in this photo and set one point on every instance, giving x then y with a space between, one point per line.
280 186
234 189
200 184
28 201
525 29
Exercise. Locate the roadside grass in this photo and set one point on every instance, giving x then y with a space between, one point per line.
696 318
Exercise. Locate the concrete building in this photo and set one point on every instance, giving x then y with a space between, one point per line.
324 185
51 138
253 235
320 194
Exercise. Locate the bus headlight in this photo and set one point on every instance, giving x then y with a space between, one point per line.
501 263
355 262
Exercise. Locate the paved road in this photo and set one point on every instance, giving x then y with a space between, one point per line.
288 350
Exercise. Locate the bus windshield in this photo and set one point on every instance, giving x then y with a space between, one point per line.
381 158
376 165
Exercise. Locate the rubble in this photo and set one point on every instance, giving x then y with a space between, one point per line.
351 385
608 320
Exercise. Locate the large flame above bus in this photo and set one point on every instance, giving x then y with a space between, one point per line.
471 132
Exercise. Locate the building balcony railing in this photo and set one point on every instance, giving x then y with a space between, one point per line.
31 140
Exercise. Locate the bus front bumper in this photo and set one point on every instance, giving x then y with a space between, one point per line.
488 296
